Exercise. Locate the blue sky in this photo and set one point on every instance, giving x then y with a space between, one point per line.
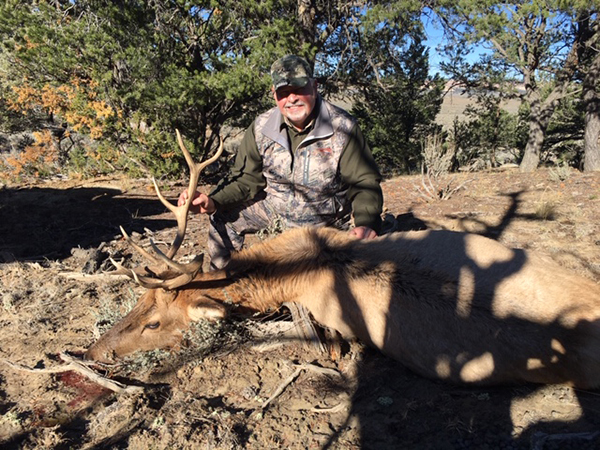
435 36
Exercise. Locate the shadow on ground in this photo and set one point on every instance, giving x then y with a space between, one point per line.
397 409
38 223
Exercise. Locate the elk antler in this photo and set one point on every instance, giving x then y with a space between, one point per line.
187 272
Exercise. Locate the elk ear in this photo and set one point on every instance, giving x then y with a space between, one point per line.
206 308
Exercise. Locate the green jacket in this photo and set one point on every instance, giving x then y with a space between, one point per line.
265 162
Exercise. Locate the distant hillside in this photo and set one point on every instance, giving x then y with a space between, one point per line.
453 106
455 103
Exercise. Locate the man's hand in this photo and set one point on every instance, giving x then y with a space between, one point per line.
201 203
363 233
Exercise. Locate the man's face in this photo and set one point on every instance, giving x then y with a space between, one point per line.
296 103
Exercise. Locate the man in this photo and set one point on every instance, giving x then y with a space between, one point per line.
305 162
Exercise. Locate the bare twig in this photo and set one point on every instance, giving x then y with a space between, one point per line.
289 380
320 370
79 367
434 188
92 278
332 410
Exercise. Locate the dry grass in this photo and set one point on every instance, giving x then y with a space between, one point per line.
207 394
546 211
436 183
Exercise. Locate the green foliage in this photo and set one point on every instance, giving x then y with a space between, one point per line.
489 129
128 73
516 34
397 106
185 66
564 137
493 136
486 139
541 43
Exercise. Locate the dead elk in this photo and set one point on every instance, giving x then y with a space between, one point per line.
452 306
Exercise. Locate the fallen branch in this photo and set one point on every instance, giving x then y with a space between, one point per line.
79 367
332 410
289 380
93 278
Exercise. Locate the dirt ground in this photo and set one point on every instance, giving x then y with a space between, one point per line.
230 387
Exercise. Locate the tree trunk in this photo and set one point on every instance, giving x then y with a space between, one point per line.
306 20
538 122
591 101
531 158
591 160
539 119
541 112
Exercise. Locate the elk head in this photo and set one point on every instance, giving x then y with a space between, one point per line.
167 308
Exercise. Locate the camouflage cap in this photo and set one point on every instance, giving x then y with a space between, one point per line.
291 70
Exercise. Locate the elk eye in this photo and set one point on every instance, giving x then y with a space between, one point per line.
152 325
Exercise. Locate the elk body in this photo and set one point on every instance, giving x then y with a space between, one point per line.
449 305
452 306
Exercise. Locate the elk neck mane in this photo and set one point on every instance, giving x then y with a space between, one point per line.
264 276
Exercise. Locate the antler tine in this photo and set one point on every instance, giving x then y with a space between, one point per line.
180 212
140 249
122 270
192 267
188 271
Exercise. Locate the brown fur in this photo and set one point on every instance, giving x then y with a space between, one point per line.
455 306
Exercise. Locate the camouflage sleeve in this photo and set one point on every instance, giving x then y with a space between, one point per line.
245 179
359 172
